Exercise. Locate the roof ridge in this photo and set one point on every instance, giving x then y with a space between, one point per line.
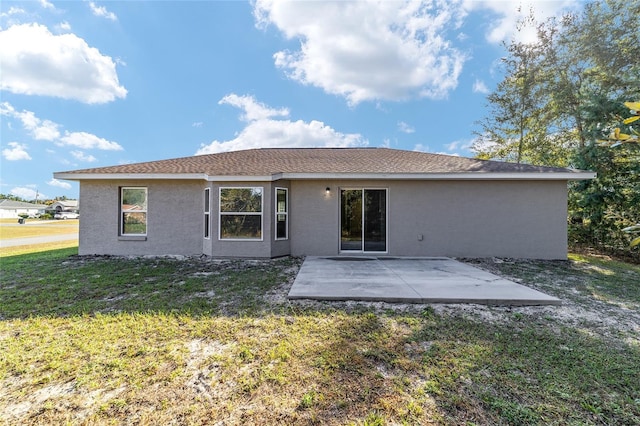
318 160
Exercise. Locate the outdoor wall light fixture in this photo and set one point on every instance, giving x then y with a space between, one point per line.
328 190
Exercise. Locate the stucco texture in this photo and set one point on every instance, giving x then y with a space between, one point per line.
473 218
267 246
174 218
525 219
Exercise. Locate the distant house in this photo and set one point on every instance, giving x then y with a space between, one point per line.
10 209
325 202
63 205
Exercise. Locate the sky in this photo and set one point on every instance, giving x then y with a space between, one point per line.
97 83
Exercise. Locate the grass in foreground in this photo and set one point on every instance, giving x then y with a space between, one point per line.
154 341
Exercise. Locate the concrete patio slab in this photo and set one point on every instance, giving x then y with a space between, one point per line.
408 280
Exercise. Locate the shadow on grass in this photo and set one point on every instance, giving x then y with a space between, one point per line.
605 280
527 372
59 283
103 321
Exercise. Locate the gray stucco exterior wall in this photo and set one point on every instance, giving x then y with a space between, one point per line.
279 247
174 218
525 219
471 218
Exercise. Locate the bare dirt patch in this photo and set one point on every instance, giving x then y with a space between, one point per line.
586 301
197 340
571 281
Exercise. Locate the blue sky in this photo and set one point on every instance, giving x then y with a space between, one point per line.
88 84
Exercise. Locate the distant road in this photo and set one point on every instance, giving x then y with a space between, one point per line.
33 222
37 240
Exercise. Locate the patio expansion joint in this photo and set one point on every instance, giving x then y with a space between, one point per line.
475 277
400 278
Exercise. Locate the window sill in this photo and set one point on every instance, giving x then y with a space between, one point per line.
132 238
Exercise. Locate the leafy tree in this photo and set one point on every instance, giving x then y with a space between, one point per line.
12 197
605 46
618 138
563 93
516 128
595 64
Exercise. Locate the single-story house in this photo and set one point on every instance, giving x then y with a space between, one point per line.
63 205
10 209
325 202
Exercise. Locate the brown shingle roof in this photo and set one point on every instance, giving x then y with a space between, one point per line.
269 161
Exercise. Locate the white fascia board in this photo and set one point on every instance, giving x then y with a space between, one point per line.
164 176
268 178
130 176
443 176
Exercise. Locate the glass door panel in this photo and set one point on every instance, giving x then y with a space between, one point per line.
363 220
351 219
375 220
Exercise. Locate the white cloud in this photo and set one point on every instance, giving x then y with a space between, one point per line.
48 130
368 50
6 109
16 152
284 134
81 156
28 193
197 124
503 28
102 12
425 148
263 131
12 11
405 128
386 143
480 87
253 110
47 4
64 26
86 140
458 145
37 62
40 129
59 184
482 144
453 146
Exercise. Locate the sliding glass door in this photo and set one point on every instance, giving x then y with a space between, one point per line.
363 220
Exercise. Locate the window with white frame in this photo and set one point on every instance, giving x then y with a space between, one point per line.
133 211
241 213
282 213
207 212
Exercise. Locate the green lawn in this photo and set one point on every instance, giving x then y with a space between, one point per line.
106 340
36 228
